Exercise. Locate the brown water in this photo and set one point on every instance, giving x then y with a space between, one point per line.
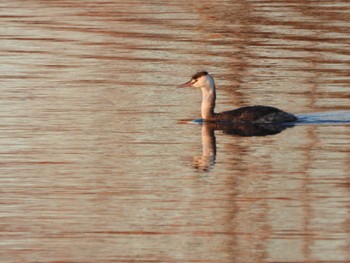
96 165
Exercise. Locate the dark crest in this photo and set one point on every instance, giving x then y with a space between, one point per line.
199 74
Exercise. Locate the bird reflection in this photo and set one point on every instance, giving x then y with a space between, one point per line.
207 160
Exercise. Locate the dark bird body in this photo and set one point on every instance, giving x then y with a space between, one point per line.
254 114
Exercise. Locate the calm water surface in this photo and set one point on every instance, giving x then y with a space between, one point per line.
97 164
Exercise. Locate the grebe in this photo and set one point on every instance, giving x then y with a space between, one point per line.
249 114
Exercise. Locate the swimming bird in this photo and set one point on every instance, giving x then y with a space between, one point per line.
249 114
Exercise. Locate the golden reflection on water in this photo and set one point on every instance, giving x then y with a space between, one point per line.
96 168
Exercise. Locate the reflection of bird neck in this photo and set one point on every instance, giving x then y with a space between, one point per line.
208 141
207 159
208 101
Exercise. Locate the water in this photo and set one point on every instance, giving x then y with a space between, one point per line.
97 164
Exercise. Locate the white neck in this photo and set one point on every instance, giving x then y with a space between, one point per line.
208 99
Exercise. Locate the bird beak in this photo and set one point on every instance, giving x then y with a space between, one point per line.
187 84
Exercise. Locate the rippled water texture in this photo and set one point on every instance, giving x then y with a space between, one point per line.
99 163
